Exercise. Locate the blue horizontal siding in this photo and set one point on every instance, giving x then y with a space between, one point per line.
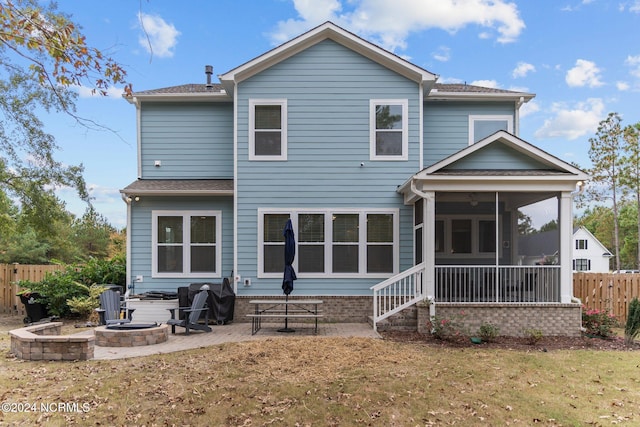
141 238
497 156
328 89
446 125
192 140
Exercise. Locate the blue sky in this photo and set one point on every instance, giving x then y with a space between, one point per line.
580 57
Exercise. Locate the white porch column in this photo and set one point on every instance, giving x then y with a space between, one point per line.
566 232
428 246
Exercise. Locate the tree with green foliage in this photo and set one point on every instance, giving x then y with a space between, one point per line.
630 176
43 58
604 153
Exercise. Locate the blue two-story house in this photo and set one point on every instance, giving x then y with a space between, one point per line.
400 189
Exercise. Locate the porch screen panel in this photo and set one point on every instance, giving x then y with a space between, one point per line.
273 248
486 236
379 243
346 237
203 244
461 236
170 244
311 243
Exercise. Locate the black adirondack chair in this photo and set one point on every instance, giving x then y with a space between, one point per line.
192 314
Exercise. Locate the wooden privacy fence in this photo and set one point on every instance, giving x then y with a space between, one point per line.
606 291
10 275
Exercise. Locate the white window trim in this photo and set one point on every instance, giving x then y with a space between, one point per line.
404 103
475 230
186 244
328 244
488 118
283 129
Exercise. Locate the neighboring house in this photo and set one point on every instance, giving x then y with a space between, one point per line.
391 180
589 255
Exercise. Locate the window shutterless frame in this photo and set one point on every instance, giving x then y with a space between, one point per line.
338 241
481 126
186 244
388 127
268 129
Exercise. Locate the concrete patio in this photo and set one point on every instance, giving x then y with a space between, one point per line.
235 332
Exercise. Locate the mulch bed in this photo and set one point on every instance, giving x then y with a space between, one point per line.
515 343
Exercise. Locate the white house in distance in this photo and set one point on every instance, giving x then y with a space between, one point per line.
589 255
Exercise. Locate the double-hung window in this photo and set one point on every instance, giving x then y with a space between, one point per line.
331 242
581 243
186 243
481 126
268 129
581 264
388 122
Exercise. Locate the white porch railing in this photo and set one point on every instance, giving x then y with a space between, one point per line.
502 284
397 293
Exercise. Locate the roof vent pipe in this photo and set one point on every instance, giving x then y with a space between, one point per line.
208 70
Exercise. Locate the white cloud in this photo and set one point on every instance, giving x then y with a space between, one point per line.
529 108
522 69
634 6
389 23
442 54
572 122
633 62
623 86
87 92
585 73
485 83
157 36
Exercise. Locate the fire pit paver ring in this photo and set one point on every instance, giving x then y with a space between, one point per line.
131 337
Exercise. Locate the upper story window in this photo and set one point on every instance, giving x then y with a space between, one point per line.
388 125
186 243
481 127
581 244
268 129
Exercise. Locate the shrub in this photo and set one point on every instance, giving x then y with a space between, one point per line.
533 335
598 323
73 283
446 328
632 327
86 305
488 331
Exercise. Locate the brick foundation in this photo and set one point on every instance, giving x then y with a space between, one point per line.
44 342
131 338
511 319
334 309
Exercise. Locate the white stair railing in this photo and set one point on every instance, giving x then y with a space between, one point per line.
397 293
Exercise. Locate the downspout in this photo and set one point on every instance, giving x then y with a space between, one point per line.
519 103
128 282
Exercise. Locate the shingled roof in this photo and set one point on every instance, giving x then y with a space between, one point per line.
179 187
195 88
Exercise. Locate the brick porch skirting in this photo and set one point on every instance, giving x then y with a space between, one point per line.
512 319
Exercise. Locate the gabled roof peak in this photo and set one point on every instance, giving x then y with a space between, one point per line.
328 30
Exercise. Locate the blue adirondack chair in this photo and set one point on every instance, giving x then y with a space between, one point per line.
111 309
192 314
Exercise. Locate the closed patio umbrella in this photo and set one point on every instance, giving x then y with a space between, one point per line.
289 273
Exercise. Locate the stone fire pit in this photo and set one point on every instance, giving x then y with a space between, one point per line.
131 336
